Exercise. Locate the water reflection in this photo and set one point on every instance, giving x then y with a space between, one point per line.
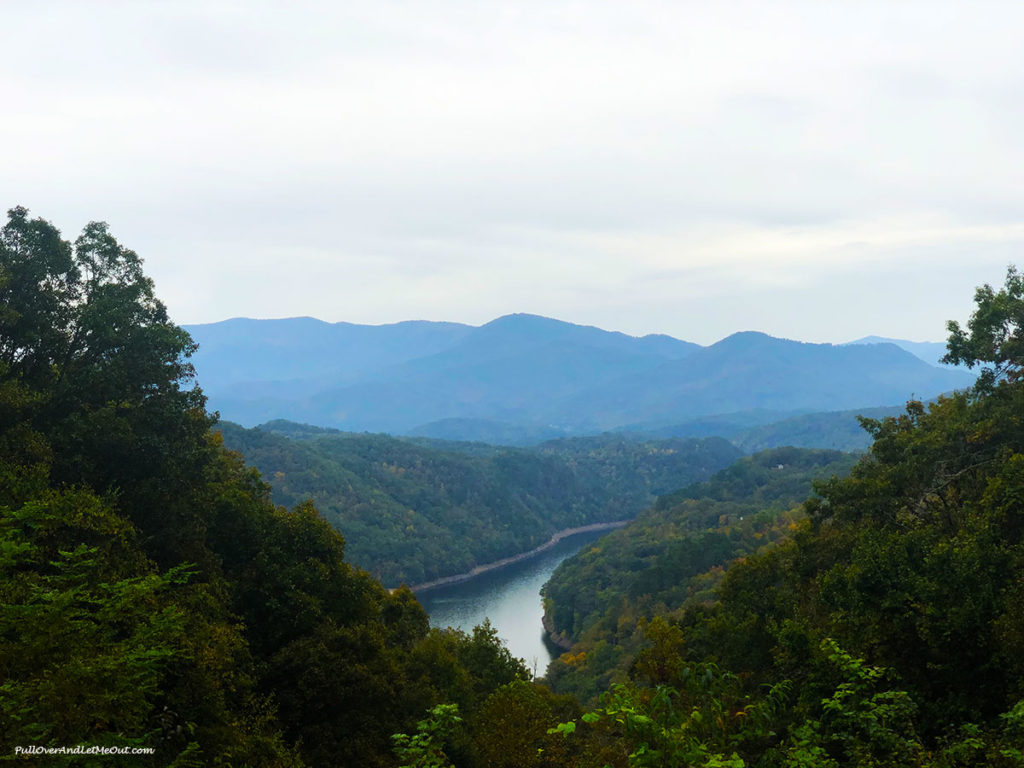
510 598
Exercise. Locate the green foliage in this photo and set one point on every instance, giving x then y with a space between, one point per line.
513 727
84 647
994 335
704 723
862 723
425 748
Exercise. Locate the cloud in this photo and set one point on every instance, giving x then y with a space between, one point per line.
600 162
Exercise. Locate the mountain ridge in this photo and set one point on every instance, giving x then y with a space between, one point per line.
529 375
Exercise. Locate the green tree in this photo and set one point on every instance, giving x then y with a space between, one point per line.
512 727
864 723
994 334
425 748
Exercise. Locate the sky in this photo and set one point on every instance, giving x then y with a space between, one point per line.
814 170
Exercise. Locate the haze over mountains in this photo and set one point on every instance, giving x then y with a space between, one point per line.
929 351
525 378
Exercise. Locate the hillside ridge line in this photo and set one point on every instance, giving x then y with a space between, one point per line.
555 538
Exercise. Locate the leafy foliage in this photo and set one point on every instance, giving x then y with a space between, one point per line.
425 749
994 334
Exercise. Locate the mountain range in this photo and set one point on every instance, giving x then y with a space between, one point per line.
524 378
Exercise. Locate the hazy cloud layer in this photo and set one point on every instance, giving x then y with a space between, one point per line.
815 170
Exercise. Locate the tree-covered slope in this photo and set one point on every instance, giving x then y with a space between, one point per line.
674 552
832 430
414 511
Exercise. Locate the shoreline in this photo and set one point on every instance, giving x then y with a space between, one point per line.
557 639
476 571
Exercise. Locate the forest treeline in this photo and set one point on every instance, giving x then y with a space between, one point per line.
414 510
152 595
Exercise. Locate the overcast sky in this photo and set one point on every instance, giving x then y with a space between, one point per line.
819 171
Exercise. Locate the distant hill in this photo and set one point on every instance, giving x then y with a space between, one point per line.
721 424
488 431
397 378
302 354
753 371
835 430
929 351
759 430
523 378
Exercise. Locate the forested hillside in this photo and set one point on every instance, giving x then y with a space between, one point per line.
833 430
414 511
673 554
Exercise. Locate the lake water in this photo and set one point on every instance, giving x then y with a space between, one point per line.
510 598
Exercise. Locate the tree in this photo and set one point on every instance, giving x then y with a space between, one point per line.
95 382
512 727
425 748
106 466
994 335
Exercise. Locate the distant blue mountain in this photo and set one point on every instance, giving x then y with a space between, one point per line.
521 377
487 431
753 371
929 351
278 357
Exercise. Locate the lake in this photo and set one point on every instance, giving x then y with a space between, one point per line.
510 598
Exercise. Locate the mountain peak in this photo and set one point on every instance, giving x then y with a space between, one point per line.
742 340
887 340
525 320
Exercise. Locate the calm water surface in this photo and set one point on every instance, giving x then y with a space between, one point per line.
509 597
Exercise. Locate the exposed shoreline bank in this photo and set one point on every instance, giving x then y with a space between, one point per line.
557 639
557 537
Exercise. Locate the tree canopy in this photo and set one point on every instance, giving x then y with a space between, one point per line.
994 336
